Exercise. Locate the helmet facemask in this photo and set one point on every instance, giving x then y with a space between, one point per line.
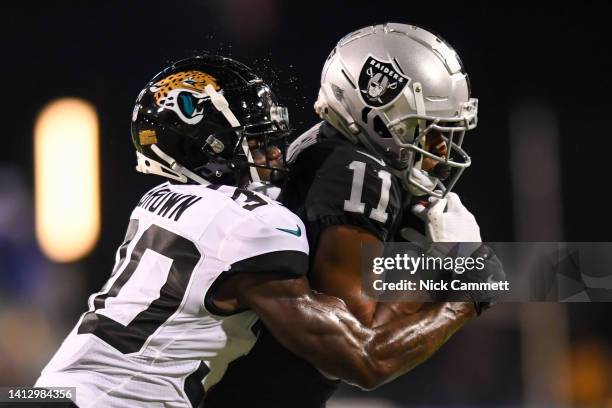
241 156
433 169
402 139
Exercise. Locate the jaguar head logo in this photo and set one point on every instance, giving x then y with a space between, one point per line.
183 93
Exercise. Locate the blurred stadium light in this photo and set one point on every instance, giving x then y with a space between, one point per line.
67 185
534 135
535 169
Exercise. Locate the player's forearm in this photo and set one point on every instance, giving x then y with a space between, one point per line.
408 339
389 311
321 330
371 356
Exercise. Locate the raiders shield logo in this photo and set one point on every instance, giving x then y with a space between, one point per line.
380 83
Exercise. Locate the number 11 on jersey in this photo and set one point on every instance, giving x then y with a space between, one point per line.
354 203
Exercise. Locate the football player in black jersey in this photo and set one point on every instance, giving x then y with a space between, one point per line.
395 105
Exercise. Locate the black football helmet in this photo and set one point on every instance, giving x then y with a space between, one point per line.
193 120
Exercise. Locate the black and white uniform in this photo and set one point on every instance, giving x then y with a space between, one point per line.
332 182
152 336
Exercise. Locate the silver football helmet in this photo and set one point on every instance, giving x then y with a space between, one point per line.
390 86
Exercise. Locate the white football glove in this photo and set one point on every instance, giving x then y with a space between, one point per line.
446 220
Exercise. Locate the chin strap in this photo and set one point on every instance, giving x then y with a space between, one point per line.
173 170
147 165
177 167
221 104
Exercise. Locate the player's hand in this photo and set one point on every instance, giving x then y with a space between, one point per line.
447 220
493 271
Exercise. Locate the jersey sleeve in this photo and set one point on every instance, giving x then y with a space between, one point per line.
271 240
334 184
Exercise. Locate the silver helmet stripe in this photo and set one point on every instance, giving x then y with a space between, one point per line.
221 104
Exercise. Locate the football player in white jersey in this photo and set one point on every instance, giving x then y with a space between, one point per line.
205 256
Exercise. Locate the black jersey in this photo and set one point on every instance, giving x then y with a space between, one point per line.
332 181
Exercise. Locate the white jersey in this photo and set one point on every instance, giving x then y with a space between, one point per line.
152 336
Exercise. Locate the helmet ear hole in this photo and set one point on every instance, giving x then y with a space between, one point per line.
381 129
221 143
364 114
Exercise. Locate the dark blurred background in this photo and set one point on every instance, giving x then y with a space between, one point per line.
540 163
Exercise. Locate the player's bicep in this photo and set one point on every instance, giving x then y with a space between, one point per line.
317 327
266 293
286 306
337 267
